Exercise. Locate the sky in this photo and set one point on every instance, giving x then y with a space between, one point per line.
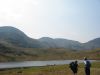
70 19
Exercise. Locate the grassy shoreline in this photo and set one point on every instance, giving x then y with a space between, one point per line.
51 70
50 54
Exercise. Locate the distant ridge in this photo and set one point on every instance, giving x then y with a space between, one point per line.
14 37
60 43
93 44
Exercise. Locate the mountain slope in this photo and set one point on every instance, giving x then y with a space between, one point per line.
16 37
11 36
60 43
93 44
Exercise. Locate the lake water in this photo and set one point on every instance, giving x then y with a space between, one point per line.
35 63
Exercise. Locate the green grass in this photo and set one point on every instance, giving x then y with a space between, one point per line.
48 54
51 70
